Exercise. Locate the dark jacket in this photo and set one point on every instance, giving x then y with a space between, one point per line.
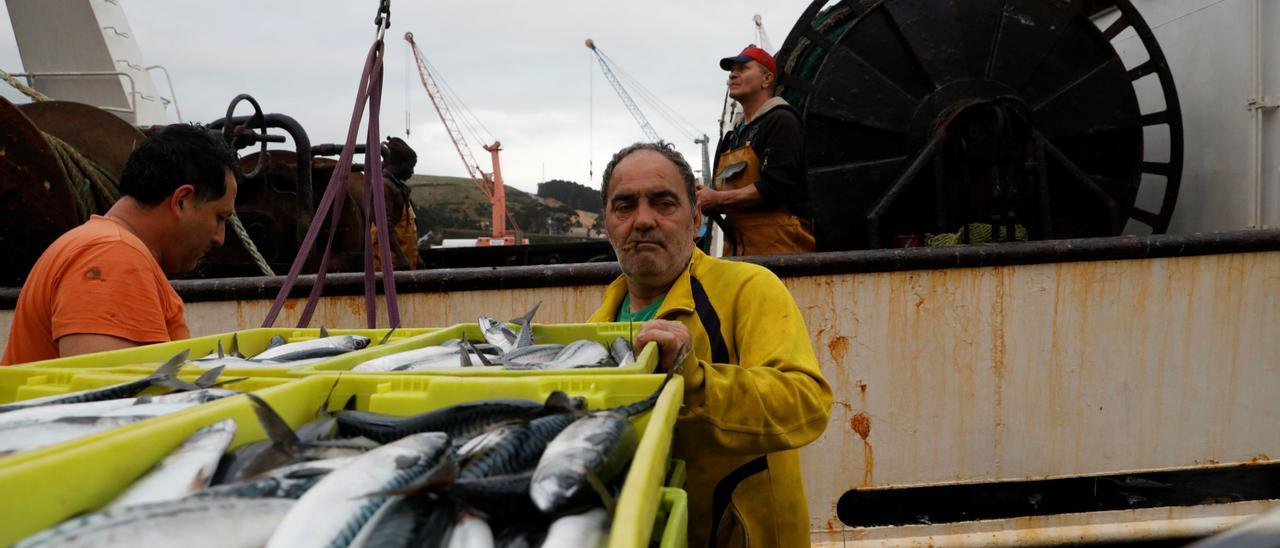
777 137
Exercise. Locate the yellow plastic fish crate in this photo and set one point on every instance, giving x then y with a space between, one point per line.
143 359
48 485
676 474
673 518
603 333
80 476
23 383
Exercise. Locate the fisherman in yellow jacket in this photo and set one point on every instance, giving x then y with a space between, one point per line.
753 391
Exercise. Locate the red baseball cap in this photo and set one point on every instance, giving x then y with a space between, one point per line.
751 53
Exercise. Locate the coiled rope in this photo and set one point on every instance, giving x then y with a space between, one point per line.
95 188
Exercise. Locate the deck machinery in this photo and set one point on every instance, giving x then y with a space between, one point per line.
927 117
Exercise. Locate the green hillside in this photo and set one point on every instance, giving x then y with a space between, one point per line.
455 203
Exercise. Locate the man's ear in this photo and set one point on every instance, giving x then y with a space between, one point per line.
182 197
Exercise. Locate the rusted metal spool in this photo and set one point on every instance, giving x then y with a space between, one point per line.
36 204
97 134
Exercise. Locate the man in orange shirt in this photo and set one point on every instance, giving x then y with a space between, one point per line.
102 285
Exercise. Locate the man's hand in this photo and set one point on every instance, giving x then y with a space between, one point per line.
709 200
674 341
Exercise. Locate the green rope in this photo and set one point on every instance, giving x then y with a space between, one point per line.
249 246
26 90
95 189
979 233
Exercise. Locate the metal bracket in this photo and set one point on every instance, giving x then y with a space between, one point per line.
1266 102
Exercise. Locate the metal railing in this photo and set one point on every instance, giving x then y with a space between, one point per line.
133 87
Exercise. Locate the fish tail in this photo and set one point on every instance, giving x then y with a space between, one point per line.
167 375
171 367
281 434
387 337
528 316
208 378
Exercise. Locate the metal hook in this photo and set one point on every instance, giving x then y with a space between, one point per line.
384 8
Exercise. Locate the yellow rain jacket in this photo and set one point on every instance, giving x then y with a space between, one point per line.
753 395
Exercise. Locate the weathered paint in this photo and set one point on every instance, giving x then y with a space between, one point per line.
559 305
1057 530
1042 370
987 373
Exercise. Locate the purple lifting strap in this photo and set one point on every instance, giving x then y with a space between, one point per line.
375 209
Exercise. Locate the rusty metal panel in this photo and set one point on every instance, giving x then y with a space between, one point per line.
1057 530
987 373
1024 372
559 305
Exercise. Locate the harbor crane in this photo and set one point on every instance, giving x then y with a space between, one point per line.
607 67
490 185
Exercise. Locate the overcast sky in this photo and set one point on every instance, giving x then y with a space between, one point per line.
521 67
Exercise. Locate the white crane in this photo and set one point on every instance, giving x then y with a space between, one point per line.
607 66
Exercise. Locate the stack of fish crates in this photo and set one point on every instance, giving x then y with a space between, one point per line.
80 476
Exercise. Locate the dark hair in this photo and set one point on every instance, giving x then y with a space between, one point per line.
668 151
177 155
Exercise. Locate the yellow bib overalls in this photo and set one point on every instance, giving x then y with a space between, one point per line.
766 231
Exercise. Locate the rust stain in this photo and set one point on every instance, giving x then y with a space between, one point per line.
839 347
868 457
355 306
847 408
1259 459
861 424
833 523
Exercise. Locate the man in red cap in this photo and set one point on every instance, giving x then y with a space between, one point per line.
759 182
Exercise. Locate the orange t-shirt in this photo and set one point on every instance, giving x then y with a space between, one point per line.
98 278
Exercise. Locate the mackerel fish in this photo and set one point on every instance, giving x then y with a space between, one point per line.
188 469
470 531
333 512
27 437
409 522
501 336
283 447
578 354
513 448
588 454
189 523
586 530
289 481
323 347
165 375
595 448
461 421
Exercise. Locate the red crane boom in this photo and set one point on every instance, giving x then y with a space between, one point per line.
492 187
